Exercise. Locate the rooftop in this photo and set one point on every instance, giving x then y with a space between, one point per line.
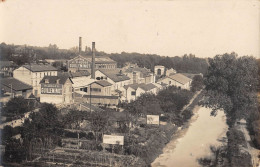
144 71
53 79
145 87
103 83
180 78
7 83
40 67
114 74
98 59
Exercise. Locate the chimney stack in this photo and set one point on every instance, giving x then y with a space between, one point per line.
93 61
79 45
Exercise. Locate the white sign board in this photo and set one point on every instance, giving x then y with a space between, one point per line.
153 119
112 139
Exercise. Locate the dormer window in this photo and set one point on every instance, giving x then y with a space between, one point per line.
46 80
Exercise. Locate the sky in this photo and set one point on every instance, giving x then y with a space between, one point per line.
168 28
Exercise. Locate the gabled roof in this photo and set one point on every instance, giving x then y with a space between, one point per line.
53 79
114 75
133 86
180 78
40 67
103 83
7 83
148 87
145 87
144 71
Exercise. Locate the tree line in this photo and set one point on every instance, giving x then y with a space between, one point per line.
21 54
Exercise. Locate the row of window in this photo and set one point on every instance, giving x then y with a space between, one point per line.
45 74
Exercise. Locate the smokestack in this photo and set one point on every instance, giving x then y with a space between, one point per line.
93 61
79 45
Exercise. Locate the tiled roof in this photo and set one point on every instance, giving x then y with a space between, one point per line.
40 67
16 84
180 78
114 74
144 71
103 83
7 64
53 79
145 87
133 86
79 74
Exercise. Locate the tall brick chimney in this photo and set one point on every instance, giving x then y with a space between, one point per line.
93 61
80 45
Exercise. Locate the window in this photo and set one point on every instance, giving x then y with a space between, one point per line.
170 82
95 89
133 93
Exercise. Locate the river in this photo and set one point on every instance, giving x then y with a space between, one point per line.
193 142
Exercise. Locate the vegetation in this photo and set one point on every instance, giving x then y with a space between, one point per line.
231 84
22 54
197 83
16 107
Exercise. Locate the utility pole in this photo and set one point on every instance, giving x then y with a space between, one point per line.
90 98
11 90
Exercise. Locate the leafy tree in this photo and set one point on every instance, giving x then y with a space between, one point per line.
16 106
74 117
197 83
147 103
99 122
231 84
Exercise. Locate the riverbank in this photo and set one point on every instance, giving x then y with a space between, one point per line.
181 131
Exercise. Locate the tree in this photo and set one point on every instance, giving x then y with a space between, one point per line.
75 117
16 106
231 84
99 122
197 83
147 103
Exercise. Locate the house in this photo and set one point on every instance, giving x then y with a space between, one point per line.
113 76
84 62
32 75
81 80
11 87
7 68
139 75
133 91
98 92
56 89
177 80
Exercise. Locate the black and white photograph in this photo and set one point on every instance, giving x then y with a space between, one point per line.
120 83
